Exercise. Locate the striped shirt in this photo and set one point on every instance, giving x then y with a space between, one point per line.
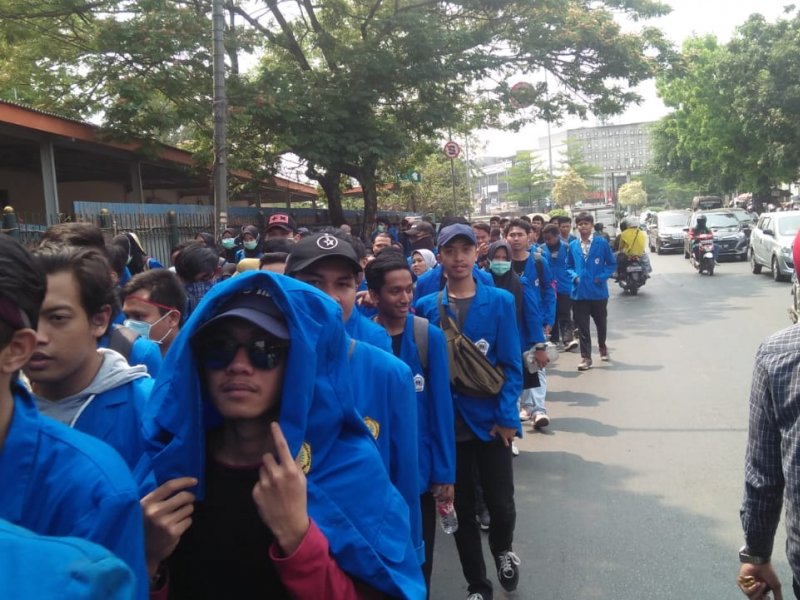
772 462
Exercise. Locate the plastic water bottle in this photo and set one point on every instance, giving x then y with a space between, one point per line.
447 516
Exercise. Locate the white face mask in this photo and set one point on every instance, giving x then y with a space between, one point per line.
143 328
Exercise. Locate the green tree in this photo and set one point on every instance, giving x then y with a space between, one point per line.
572 158
569 189
433 195
527 180
632 195
349 86
736 122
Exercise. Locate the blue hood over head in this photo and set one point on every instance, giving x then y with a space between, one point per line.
350 497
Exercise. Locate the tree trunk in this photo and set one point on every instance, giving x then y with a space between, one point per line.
330 185
369 189
329 182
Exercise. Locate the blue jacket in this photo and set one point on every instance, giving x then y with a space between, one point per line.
589 275
383 392
350 496
60 482
360 328
143 352
35 567
433 280
437 441
492 320
558 267
544 285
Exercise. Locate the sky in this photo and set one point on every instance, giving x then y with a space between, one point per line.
688 17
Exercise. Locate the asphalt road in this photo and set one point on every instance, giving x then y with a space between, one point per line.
633 492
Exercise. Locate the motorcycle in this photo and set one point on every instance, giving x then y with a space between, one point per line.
703 254
634 276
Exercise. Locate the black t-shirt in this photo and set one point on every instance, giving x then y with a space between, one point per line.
225 553
397 343
518 266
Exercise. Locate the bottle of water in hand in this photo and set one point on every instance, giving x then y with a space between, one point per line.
447 516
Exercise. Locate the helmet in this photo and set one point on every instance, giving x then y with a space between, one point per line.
701 220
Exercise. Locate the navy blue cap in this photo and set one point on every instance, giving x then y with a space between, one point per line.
451 232
256 307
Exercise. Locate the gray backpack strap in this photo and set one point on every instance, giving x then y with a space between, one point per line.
421 340
121 339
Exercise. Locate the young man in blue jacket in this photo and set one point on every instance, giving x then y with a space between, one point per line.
556 252
91 389
423 348
590 263
55 481
382 384
531 267
485 427
260 372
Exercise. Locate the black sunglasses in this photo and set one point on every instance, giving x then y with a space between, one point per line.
263 354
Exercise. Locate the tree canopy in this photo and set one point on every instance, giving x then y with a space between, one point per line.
569 189
632 194
736 121
348 85
527 180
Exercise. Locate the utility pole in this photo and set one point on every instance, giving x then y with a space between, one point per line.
220 118
453 175
469 175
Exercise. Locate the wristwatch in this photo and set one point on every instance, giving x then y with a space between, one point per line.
752 559
538 347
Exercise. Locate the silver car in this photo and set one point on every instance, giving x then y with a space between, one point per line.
771 243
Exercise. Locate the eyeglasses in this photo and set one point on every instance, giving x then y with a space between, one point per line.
263 354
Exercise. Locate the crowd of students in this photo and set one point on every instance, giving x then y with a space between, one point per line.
277 417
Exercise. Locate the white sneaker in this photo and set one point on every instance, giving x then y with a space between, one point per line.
514 449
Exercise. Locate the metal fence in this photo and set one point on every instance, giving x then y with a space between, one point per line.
162 226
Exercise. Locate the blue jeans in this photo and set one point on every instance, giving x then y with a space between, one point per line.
533 398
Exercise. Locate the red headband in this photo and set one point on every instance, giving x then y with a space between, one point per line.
151 303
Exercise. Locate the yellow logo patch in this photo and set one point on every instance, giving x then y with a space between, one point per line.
304 457
373 426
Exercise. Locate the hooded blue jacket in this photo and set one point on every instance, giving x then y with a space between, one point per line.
35 567
590 275
383 392
432 280
60 482
558 266
350 496
113 413
544 286
437 440
491 320
360 328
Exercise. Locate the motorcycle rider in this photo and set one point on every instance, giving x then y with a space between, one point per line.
631 242
701 228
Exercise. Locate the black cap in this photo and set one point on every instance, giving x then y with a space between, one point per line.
283 221
256 307
420 228
315 247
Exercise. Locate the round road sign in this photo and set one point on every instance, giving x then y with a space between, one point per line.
451 149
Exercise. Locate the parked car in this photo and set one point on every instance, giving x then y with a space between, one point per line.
771 243
747 219
729 236
665 230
